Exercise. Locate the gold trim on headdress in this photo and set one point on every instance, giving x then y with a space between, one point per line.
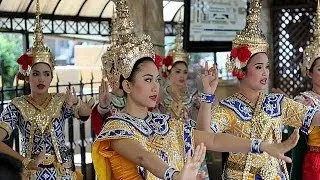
38 52
131 46
111 69
312 51
178 53
249 41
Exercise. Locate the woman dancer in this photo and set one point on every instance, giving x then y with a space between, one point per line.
137 144
40 116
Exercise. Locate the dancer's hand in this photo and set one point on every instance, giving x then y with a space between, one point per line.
278 150
71 97
34 163
210 79
190 169
104 97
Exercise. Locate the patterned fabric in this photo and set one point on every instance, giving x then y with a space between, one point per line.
157 133
184 110
271 106
236 115
311 160
21 113
116 105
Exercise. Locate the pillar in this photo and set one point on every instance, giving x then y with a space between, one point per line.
147 15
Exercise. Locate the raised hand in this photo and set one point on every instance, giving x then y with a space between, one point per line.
104 97
34 163
278 150
190 169
71 97
210 79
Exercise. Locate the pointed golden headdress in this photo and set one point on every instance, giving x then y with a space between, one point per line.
111 69
178 54
38 52
131 47
248 42
312 52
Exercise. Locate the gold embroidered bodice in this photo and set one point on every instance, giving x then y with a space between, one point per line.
40 126
157 133
236 115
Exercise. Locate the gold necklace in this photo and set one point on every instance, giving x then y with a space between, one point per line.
41 119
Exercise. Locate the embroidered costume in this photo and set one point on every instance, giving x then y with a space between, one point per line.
236 115
168 138
306 155
98 120
158 133
184 107
42 127
264 120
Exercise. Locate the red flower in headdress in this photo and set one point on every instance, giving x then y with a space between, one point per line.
244 54
25 61
238 73
240 56
241 74
158 61
235 73
234 53
167 61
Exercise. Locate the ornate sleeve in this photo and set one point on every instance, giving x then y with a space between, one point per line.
297 114
9 118
116 129
67 112
220 119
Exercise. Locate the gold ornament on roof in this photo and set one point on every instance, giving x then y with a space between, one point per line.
312 51
249 41
131 47
38 52
178 53
110 66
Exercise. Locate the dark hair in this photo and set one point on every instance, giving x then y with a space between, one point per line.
135 70
245 69
176 63
313 64
10 168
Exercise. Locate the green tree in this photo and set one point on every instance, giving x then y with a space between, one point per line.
10 50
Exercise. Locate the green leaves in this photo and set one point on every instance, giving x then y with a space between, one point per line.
10 49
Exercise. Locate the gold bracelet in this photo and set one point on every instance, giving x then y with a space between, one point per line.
25 162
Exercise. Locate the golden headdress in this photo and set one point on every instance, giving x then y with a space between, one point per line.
111 69
247 42
131 47
312 52
178 54
38 52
